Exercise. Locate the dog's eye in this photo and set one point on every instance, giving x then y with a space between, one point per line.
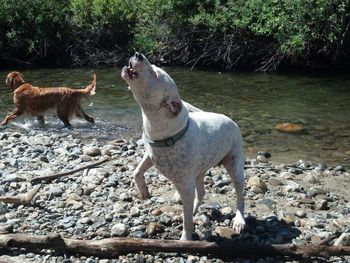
130 65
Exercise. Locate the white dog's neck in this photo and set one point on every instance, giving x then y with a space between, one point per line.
156 128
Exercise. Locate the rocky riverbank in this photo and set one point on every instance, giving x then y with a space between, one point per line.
285 203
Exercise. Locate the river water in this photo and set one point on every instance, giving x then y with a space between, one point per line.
256 101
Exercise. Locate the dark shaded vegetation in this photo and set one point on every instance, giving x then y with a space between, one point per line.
262 35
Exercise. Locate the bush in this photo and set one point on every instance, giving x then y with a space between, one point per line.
255 34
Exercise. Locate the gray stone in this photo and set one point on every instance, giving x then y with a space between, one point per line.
292 187
3 208
91 151
256 185
119 230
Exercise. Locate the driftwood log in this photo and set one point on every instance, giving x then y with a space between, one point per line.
112 247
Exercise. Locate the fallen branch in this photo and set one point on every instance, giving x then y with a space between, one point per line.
112 247
21 199
58 175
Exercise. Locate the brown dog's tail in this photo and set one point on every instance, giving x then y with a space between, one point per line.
91 89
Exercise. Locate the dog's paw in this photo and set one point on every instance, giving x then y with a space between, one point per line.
238 223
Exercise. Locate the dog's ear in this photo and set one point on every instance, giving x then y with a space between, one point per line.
14 79
174 105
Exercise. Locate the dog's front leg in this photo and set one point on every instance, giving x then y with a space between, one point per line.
138 175
17 112
187 193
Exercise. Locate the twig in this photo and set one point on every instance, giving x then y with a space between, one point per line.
58 175
21 199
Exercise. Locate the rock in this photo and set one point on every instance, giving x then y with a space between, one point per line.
256 185
261 159
226 232
91 151
339 168
125 197
265 154
3 208
202 219
134 211
289 127
225 211
119 230
154 228
287 175
300 213
292 187
312 178
314 191
322 205
274 181
85 158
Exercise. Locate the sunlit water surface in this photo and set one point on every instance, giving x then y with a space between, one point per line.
257 102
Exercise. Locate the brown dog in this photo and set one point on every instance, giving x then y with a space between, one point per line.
36 101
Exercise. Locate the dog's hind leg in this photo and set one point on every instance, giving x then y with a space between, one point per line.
79 112
138 175
63 116
41 120
235 168
200 192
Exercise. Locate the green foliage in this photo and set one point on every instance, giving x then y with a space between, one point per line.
209 32
33 26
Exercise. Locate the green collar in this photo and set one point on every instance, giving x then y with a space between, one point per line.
170 141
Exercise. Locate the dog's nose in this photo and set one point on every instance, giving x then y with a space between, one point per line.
139 56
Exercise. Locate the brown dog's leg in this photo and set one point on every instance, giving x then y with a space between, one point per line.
62 115
41 120
11 116
81 114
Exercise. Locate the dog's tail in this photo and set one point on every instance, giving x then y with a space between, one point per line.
91 89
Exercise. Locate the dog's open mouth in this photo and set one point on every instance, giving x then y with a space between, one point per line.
131 72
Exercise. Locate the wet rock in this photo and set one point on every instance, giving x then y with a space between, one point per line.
339 168
262 159
265 154
289 127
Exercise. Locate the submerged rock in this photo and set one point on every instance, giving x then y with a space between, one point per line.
289 127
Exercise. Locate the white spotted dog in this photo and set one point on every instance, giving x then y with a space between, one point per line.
183 142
